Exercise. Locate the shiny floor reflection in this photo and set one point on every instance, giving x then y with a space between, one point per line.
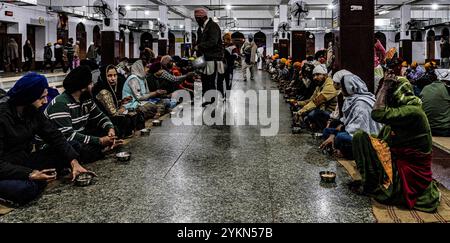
209 174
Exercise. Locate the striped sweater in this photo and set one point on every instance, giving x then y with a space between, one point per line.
72 117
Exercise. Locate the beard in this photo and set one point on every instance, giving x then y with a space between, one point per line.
85 95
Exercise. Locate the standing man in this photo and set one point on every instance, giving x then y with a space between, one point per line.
48 55
209 45
59 55
445 52
13 55
249 51
69 52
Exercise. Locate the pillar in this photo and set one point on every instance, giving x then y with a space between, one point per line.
353 21
284 43
127 42
163 35
405 51
110 35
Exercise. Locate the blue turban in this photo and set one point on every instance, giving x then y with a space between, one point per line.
27 89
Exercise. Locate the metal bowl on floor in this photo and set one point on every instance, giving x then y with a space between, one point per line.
327 176
84 179
157 123
123 156
199 63
296 130
172 114
145 132
317 136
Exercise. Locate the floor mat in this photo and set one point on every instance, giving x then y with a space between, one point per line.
394 214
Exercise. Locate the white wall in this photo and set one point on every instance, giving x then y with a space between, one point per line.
419 52
319 40
39 43
137 43
24 16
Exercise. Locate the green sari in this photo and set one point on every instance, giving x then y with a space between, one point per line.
406 130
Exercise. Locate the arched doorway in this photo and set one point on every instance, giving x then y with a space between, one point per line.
260 40
122 44
328 37
146 41
445 32
171 44
310 44
238 39
62 28
97 37
131 45
431 45
382 37
81 37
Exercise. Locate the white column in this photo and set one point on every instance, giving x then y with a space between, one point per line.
163 18
114 19
405 17
188 31
276 22
283 18
283 13
127 42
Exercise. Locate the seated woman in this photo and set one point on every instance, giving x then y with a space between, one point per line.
396 166
356 115
136 87
24 174
108 98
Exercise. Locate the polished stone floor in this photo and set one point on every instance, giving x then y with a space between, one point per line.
209 174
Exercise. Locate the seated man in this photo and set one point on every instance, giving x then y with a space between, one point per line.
24 174
75 114
356 114
436 104
316 110
396 166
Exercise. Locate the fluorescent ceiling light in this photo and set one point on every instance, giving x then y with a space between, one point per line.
383 12
434 6
128 7
228 7
330 6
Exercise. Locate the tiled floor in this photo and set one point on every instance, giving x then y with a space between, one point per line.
209 174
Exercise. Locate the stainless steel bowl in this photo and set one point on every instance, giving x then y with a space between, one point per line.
123 156
145 132
296 130
157 123
199 63
327 176
83 179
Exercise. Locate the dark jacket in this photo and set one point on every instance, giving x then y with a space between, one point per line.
27 51
48 53
210 42
16 136
445 50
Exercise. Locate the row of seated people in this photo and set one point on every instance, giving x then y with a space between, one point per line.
389 135
41 140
